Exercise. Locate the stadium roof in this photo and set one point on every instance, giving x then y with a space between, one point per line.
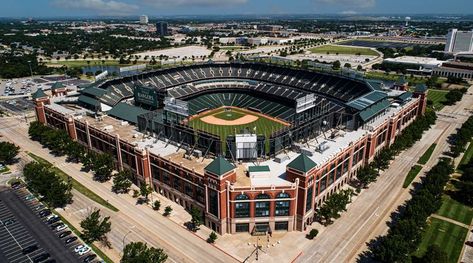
219 166
374 109
302 163
405 96
89 100
39 94
126 112
421 88
261 168
94 91
367 100
57 85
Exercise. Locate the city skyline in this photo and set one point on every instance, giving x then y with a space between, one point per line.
66 8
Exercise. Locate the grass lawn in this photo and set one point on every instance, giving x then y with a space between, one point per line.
448 236
83 63
411 175
454 210
426 156
76 185
437 97
4 169
229 115
332 49
467 155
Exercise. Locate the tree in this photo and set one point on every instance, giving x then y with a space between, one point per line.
359 68
212 237
347 65
122 181
145 190
139 252
312 234
465 192
75 151
167 210
366 175
157 205
336 65
102 166
196 217
94 229
434 254
8 152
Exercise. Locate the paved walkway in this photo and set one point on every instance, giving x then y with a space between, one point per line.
450 220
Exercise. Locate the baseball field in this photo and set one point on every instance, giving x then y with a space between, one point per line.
225 121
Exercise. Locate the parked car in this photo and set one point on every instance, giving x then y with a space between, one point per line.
29 197
51 217
44 213
53 220
79 247
70 240
84 251
16 185
29 249
64 234
60 228
53 226
39 207
8 222
41 257
89 258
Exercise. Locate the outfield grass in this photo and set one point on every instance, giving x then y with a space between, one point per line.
346 50
437 97
455 210
426 156
448 236
411 175
229 115
264 126
76 185
467 155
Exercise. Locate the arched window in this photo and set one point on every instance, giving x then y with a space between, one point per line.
262 207
282 206
242 209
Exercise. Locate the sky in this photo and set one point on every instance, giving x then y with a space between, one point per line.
74 8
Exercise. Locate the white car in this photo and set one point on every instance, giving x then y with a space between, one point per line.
59 228
84 251
79 248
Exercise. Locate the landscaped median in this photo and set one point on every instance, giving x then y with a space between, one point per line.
411 175
426 156
75 184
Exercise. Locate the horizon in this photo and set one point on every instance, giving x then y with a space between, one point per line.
171 8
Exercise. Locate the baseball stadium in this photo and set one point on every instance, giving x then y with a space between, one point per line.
255 147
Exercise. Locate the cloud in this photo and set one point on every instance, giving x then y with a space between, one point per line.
351 3
349 12
105 7
193 3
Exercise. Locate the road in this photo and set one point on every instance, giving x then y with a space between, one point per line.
146 225
368 215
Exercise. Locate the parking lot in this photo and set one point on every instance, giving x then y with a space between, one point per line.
26 236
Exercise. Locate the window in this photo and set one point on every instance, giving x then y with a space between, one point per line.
309 198
262 207
281 226
242 209
213 203
282 207
323 184
242 227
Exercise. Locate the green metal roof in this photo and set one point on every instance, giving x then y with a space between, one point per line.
405 96
94 91
219 166
39 94
88 100
126 112
261 168
57 85
302 163
401 81
375 109
367 100
421 88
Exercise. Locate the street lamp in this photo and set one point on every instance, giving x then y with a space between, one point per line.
123 241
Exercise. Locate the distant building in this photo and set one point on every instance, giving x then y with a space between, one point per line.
144 19
417 65
455 69
162 29
459 41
